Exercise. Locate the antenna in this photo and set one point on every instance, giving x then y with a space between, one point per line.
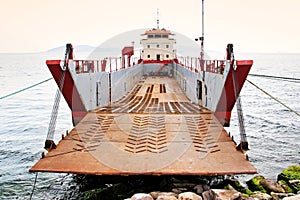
157 20
202 38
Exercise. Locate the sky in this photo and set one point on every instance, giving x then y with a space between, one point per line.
260 26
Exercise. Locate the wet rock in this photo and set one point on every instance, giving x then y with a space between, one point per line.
278 196
261 196
141 196
189 196
254 184
234 184
290 177
179 190
271 185
296 197
201 188
221 194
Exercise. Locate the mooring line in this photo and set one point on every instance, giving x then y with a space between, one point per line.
11 94
292 110
277 77
36 175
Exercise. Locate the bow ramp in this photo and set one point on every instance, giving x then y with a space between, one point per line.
153 130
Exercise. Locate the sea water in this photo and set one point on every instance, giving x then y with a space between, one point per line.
273 131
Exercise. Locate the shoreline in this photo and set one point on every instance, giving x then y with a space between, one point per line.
286 185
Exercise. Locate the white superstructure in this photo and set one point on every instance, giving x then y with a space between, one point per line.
158 45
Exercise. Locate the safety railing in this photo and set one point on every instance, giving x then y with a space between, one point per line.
195 64
106 65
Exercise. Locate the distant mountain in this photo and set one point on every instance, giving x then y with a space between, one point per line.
77 48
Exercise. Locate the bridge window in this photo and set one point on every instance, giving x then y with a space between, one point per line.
150 36
165 36
157 36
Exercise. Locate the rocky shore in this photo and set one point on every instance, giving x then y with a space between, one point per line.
286 186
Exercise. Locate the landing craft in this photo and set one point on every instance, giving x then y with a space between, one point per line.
155 113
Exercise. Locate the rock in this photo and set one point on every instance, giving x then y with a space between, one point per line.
189 196
201 188
179 190
254 184
234 184
141 196
290 177
166 198
156 194
261 196
222 194
271 186
296 197
278 196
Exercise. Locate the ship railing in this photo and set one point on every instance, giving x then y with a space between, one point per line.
195 64
110 64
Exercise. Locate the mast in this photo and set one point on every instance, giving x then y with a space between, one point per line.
157 19
202 37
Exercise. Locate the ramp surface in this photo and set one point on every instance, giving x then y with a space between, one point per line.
154 130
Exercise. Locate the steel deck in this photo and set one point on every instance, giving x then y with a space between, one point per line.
154 130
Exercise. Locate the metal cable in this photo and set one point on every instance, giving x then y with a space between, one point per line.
36 175
16 92
292 110
296 80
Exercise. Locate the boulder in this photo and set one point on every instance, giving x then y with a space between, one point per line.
189 196
141 196
201 188
271 185
261 196
157 194
291 176
278 196
254 184
221 194
234 184
166 198
296 197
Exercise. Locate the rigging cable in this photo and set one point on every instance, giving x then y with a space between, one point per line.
36 175
49 143
292 110
277 77
16 92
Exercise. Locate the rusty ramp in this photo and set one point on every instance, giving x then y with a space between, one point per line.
154 130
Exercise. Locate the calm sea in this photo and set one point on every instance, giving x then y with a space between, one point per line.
273 131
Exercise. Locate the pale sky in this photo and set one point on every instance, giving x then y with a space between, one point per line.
251 25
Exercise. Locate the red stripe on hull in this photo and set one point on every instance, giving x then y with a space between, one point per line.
69 90
228 99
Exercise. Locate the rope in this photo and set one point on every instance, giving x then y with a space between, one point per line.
16 92
36 175
277 77
292 110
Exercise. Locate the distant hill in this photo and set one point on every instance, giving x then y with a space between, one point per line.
77 48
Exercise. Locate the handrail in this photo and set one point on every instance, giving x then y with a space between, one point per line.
195 64
113 64
110 64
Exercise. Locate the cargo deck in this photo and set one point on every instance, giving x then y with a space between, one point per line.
153 130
